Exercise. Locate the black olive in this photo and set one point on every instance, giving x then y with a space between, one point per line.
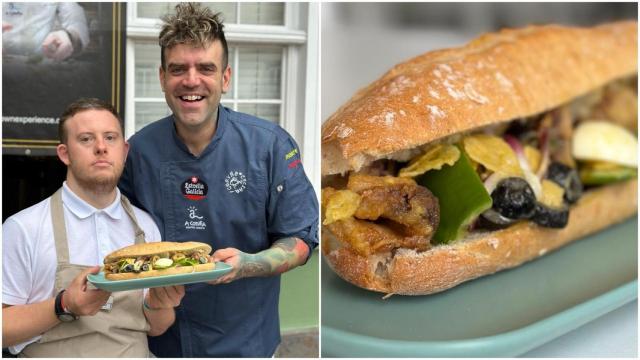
568 179
513 198
145 267
128 268
550 217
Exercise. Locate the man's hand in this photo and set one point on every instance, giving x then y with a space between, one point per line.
234 257
166 297
82 301
160 302
284 255
57 45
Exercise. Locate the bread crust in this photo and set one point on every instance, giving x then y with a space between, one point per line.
154 248
493 79
410 273
162 272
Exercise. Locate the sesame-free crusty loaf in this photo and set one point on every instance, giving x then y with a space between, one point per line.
494 79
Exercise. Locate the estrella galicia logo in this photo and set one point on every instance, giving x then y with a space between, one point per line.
235 182
194 188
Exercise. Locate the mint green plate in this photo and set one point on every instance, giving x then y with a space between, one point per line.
179 279
504 314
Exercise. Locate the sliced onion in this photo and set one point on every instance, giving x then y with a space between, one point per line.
543 139
497 219
529 176
492 181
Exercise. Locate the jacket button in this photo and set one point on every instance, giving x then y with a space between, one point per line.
279 188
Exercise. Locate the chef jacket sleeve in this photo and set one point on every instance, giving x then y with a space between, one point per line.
292 206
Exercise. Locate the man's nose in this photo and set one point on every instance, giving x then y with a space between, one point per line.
101 146
191 78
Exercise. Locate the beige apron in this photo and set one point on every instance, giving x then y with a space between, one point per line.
121 332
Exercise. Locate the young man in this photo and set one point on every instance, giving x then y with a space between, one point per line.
211 174
48 249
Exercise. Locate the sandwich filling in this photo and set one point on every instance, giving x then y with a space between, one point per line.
530 169
159 261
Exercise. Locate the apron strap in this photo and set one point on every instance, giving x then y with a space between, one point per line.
59 229
126 205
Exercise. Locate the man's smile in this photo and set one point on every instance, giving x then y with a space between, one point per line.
191 98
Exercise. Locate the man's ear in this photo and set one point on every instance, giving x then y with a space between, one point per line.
63 153
161 77
126 150
226 79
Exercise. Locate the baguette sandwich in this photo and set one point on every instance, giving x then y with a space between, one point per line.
157 259
463 162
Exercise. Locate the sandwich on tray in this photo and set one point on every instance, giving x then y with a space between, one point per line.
467 161
157 259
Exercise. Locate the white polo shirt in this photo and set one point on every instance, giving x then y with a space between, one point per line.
29 253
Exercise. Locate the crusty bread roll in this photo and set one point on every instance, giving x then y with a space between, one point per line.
494 79
158 248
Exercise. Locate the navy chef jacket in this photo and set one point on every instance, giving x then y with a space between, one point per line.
246 190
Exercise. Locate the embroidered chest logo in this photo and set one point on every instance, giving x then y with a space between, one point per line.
235 182
195 221
192 213
295 162
194 188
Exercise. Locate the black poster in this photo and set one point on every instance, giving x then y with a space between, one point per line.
53 54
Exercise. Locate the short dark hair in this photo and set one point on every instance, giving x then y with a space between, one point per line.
192 24
84 104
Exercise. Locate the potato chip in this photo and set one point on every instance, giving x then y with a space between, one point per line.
433 159
552 194
340 205
493 153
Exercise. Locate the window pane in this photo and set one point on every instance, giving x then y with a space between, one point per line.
259 73
147 57
262 13
157 10
148 112
154 10
265 111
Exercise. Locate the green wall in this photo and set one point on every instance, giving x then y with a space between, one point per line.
299 296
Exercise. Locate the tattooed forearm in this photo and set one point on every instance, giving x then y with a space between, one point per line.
253 265
284 255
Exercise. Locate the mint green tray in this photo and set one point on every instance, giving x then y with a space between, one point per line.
504 314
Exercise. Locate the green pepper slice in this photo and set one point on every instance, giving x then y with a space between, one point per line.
591 176
462 197
187 262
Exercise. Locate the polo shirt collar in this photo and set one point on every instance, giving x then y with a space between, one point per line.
83 210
